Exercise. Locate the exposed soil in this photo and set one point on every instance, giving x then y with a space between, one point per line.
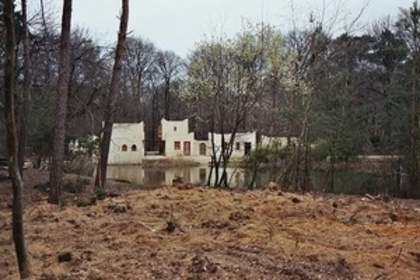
181 232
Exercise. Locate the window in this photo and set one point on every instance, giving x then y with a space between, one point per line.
134 148
187 148
124 148
238 146
174 128
177 145
203 149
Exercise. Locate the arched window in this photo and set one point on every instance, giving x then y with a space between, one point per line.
203 149
134 148
124 148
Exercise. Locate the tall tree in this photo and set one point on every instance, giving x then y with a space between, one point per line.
12 140
225 82
88 68
109 116
308 47
26 93
409 31
56 171
169 66
139 65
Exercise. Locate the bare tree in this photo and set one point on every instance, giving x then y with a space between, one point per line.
12 140
61 106
112 97
139 65
169 67
225 80
25 96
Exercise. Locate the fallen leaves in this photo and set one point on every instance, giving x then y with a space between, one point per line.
197 233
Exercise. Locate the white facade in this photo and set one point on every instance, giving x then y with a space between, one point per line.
127 143
179 141
244 143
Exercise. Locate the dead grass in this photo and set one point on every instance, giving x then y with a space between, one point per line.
221 235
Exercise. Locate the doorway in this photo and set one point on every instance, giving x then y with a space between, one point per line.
248 147
187 148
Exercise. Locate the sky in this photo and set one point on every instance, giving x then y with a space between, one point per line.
178 25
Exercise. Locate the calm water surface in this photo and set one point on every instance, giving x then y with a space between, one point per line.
348 182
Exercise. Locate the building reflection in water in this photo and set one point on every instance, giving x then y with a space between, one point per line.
346 182
196 175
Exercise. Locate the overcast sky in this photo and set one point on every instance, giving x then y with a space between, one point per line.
178 24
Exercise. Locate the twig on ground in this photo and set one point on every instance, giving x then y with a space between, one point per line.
147 227
398 257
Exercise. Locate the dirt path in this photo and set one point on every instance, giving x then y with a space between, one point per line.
198 233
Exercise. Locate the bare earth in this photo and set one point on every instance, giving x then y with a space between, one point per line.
198 233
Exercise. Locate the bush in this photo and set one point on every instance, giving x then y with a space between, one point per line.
267 155
75 187
337 150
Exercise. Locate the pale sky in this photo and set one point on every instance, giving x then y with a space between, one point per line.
178 24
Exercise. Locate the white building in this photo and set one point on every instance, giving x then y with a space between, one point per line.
127 143
244 143
178 140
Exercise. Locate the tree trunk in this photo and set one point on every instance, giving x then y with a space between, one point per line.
12 141
56 171
414 165
167 92
26 87
413 116
109 117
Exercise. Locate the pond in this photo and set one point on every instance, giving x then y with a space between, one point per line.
154 177
347 182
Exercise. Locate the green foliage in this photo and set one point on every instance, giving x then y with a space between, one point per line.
266 155
41 123
342 135
76 187
339 146
87 145
85 202
41 139
227 75
356 92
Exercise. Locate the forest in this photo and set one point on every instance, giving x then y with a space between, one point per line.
341 95
352 93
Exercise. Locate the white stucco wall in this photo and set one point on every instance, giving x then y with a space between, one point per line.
169 128
242 138
128 134
238 144
207 150
177 132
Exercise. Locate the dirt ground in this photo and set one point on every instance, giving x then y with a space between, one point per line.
198 233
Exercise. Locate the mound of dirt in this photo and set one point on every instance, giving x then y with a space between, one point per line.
198 233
